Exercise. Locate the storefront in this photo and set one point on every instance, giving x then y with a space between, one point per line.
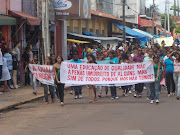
5 30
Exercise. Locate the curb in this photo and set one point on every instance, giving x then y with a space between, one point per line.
10 106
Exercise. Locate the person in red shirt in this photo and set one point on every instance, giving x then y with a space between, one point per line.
79 51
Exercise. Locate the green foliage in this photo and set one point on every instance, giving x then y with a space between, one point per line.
178 29
172 25
176 8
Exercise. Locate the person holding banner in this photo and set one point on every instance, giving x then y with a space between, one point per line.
77 89
102 61
177 74
113 60
154 87
137 59
91 60
51 88
34 61
149 58
60 86
125 60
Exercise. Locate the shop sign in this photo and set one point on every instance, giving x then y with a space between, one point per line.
72 9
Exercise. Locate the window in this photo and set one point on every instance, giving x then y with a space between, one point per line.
91 30
76 30
83 29
103 32
68 29
97 31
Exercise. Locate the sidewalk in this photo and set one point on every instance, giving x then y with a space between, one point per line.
19 96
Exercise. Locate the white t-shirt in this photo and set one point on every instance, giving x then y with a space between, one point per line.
17 50
1 58
94 51
30 56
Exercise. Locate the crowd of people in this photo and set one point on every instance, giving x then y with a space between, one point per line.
163 58
9 64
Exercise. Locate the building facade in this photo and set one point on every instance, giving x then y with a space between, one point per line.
106 6
133 9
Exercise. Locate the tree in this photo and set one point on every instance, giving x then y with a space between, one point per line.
172 25
175 8
156 9
178 29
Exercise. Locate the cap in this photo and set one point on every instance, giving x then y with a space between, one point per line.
121 48
74 45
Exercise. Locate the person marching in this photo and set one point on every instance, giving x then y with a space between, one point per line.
113 60
91 60
177 75
102 61
77 89
168 74
60 86
51 88
137 58
34 61
154 87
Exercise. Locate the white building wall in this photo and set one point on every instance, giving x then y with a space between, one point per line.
93 5
131 16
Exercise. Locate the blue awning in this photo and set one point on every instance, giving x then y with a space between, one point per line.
91 34
154 35
86 33
141 37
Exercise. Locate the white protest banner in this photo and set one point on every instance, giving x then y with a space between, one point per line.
104 74
177 68
168 41
43 73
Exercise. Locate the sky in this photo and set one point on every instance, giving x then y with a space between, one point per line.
161 4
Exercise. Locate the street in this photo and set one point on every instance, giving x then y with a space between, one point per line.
124 116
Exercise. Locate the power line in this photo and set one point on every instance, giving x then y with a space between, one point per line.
121 5
132 9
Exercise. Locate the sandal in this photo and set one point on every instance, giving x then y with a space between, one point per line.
61 104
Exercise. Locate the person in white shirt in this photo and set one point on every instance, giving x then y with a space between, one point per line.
5 75
94 50
17 51
1 63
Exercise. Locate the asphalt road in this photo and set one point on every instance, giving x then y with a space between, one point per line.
124 116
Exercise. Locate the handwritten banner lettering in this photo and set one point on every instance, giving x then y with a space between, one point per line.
43 73
102 74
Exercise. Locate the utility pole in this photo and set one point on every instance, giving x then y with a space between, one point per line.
124 22
45 28
153 23
178 6
165 19
168 18
174 7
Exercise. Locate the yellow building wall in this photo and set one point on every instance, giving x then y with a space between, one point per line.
95 23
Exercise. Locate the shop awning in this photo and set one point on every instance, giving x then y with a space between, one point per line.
143 32
95 38
146 33
6 20
77 41
31 20
141 37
